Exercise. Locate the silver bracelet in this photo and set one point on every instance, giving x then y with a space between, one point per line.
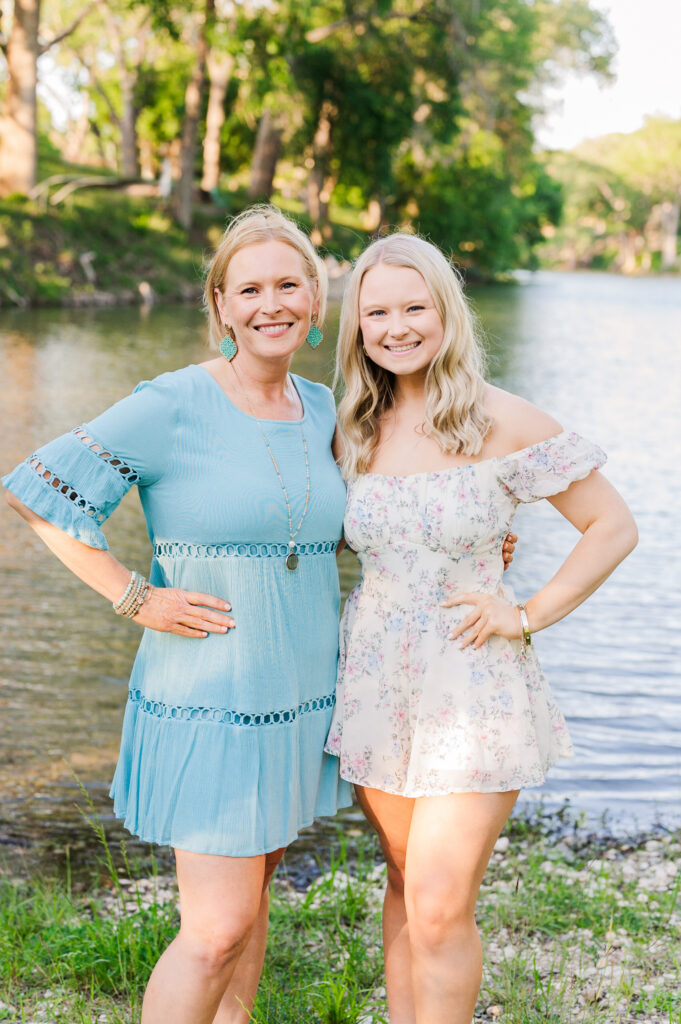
525 625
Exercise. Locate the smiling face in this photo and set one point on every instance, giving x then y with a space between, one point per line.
400 324
267 300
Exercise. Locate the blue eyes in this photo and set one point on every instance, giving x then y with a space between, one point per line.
252 290
410 309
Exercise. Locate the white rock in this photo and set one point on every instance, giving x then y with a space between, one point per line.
502 844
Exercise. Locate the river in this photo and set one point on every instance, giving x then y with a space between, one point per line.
602 353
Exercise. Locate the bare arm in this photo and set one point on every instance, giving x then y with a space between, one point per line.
609 533
592 505
166 609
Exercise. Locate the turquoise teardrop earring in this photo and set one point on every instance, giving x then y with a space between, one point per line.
314 335
228 345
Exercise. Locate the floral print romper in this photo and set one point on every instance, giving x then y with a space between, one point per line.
416 715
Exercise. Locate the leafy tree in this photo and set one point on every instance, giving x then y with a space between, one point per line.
18 131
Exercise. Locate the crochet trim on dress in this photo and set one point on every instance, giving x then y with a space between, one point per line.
226 717
121 467
177 549
86 507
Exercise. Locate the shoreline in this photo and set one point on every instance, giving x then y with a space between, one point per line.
145 296
576 928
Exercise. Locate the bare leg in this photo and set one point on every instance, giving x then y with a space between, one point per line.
391 817
220 903
450 842
237 1002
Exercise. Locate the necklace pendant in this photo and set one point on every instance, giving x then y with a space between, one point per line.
292 561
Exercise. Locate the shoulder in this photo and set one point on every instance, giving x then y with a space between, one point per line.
155 402
173 382
517 423
315 394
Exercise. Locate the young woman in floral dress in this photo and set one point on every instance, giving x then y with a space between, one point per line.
442 711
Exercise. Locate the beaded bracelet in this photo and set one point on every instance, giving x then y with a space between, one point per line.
134 596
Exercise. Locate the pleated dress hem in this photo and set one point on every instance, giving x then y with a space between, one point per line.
210 787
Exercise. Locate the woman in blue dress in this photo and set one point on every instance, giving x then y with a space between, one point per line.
232 690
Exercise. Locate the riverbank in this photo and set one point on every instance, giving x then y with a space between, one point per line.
111 249
575 929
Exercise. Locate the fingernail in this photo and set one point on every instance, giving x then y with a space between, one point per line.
228 607
205 636
450 636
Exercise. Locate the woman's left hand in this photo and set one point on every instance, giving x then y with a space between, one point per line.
491 614
508 549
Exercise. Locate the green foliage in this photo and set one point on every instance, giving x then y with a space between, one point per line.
388 106
473 208
615 187
132 240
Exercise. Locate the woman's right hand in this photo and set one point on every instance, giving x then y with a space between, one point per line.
184 612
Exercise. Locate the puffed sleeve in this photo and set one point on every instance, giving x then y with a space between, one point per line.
549 467
77 480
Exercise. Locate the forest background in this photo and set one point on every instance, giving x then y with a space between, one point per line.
131 129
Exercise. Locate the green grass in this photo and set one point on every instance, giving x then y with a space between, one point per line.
570 935
131 239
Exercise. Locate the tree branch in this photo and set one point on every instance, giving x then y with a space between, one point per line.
44 47
317 35
103 93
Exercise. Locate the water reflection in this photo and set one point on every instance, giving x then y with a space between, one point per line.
601 353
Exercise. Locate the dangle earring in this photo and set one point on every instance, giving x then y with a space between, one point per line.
228 344
314 335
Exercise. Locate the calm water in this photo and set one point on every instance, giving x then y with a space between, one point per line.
601 353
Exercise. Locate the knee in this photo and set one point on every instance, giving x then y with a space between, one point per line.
214 948
438 918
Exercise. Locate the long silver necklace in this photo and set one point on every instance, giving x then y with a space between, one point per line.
292 554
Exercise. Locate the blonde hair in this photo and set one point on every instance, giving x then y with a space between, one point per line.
454 412
260 223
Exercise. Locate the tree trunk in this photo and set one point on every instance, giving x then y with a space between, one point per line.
18 145
626 257
77 133
265 156
129 163
127 121
219 72
320 184
185 189
669 227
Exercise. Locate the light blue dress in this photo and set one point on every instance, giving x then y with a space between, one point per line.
222 746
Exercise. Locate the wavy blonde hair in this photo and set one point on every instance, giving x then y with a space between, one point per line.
260 223
454 412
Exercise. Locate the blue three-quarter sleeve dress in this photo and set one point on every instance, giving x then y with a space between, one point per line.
222 746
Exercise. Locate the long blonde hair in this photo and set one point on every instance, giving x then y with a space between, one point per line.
261 223
454 412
